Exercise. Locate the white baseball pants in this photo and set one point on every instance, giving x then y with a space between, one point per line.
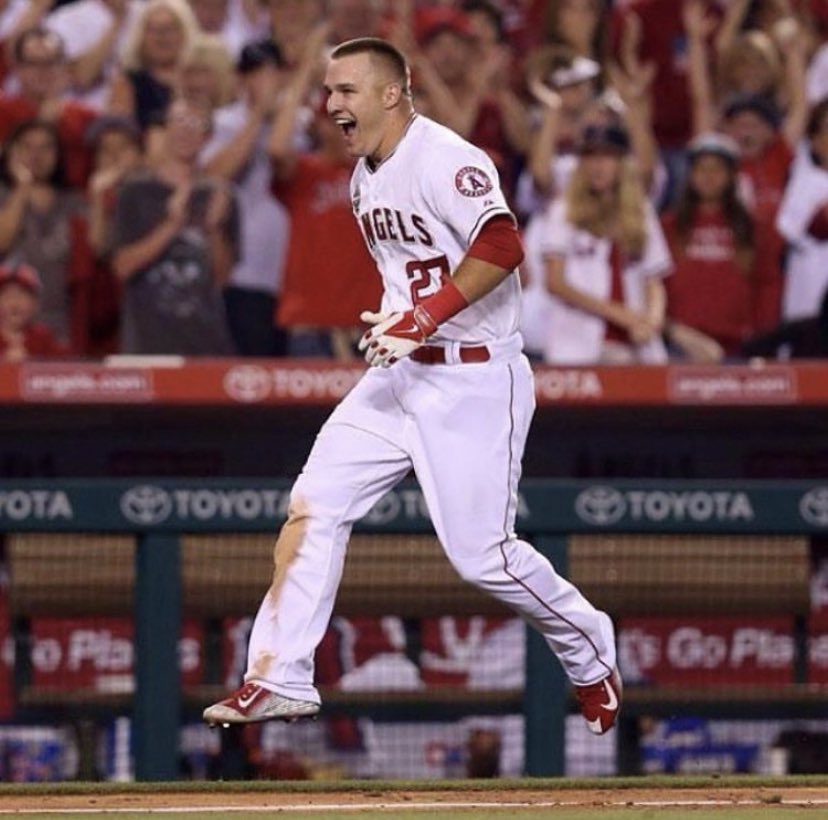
462 428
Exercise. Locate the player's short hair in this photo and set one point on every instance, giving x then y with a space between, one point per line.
381 50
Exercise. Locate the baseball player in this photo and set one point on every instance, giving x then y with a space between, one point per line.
448 393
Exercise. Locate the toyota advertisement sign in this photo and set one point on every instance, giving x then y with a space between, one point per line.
604 506
543 506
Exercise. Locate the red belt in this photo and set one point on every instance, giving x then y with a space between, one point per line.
431 354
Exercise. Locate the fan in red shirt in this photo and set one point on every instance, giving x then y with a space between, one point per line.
325 242
41 69
766 155
21 335
711 239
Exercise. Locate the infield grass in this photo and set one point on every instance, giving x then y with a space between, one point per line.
533 784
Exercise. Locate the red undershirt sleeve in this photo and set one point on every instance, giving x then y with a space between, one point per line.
498 243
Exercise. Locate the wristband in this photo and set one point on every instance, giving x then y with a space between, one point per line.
439 308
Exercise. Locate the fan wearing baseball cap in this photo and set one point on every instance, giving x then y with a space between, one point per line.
604 139
711 236
605 259
21 335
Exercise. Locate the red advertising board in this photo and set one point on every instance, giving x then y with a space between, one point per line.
174 380
98 654
703 651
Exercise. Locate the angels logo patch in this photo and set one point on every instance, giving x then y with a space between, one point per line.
471 181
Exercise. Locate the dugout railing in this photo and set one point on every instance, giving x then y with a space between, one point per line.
641 547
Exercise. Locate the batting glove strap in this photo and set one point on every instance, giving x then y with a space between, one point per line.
422 318
444 304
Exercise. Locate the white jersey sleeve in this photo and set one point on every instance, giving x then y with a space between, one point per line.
464 189
558 230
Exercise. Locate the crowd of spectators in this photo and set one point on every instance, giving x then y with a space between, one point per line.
170 182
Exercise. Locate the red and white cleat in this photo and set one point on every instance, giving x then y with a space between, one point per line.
601 702
253 703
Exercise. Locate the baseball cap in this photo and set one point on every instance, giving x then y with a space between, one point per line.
24 275
112 122
595 138
759 104
258 53
430 22
579 70
713 143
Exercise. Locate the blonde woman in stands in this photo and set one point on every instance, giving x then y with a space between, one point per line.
565 88
605 257
762 47
208 73
155 46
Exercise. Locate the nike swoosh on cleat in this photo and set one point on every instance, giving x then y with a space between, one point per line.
245 702
612 704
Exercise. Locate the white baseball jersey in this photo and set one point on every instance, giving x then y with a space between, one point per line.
806 271
461 426
419 211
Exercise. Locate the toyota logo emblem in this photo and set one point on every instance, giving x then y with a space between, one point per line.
600 505
146 505
247 383
813 506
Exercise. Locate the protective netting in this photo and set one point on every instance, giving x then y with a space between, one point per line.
723 645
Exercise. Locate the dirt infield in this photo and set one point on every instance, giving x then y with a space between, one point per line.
274 797
587 797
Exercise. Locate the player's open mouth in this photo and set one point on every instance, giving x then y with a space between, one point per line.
347 124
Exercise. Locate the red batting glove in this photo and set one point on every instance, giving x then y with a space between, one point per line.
398 335
393 337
